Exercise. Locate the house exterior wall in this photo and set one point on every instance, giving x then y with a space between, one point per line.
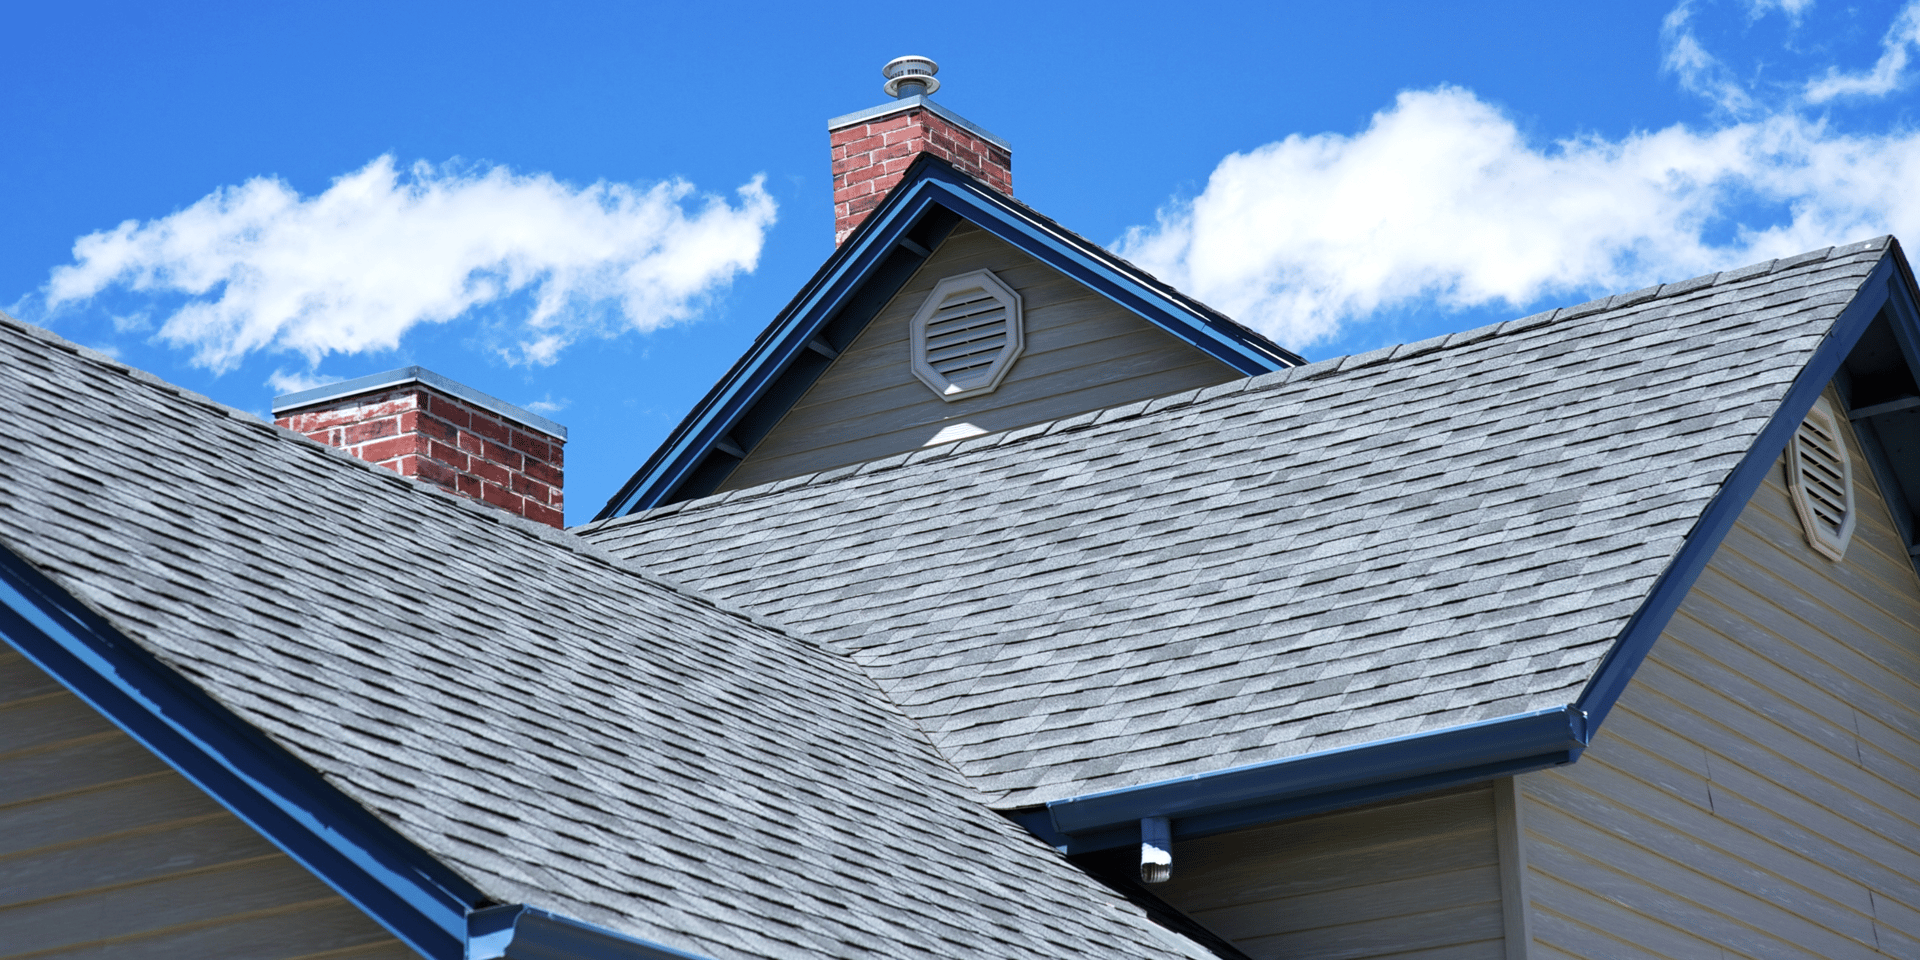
1405 879
105 851
1083 353
1756 792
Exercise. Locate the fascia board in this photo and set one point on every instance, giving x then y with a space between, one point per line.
1256 793
1057 250
767 359
522 932
840 278
1260 793
400 886
1630 649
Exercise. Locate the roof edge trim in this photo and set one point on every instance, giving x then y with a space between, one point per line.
919 102
525 932
421 375
1276 789
928 183
400 886
1622 661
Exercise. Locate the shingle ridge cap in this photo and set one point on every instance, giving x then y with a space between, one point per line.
1322 369
564 539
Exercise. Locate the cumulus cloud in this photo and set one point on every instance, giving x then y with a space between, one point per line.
1887 74
382 250
1442 197
284 382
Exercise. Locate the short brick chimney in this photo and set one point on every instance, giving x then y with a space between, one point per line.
872 148
422 425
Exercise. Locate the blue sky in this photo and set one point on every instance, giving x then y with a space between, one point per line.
590 209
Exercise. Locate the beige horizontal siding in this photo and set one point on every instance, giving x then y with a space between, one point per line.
1756 792
1083 353
1412 878
106 852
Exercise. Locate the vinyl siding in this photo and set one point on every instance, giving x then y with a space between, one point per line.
1412 878
106 852
1756 792
1083 353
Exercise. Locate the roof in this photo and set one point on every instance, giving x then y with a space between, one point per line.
1392 544
858 280
550 723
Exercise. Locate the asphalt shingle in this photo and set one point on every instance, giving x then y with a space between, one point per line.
554 724
1365 547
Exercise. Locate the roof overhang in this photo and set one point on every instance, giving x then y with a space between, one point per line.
419 900
864 273
1242 797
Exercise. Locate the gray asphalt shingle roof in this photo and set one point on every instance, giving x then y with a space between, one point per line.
1384 544
555 725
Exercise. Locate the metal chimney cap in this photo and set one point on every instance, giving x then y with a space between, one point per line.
910 76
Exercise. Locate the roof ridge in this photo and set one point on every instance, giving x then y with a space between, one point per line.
1268 381
562 538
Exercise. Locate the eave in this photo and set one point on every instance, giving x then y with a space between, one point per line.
1241 797
421 901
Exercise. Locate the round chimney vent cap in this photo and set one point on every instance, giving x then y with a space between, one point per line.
907 76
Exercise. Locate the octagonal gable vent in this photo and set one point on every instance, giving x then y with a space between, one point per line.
967 335
1820 477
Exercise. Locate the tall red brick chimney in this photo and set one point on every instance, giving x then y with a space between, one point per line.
420 424
872 148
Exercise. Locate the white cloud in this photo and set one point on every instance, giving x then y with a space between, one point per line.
547 406
1794 9
1888 74
284 382
353 268
1442 197
1698 70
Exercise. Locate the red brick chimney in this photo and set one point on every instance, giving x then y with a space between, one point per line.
872 148
422 425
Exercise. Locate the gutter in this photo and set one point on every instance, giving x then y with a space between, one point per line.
1239 797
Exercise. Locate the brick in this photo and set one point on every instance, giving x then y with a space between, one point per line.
434 472
546 515
322 436
501 497
865 145
543 473
447 454
864 173
449 409
896 150
907 136
431 426
490 428
490 472
532 445
895 122
528 487
380 451
364 431
502 455
468 485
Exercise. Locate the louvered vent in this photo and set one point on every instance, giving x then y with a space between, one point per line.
967 335
1820 477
